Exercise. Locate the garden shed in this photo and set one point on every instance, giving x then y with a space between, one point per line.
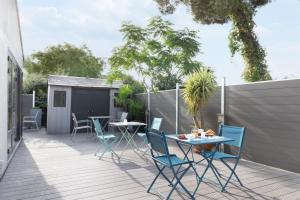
83 96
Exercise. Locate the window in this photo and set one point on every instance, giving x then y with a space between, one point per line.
59 99
13 101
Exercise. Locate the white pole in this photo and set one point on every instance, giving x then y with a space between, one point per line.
177 108
148 107
33 98
223 96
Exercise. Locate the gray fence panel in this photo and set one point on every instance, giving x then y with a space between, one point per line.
270 111
27 104
163 104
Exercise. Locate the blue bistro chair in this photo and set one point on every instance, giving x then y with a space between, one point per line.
233 132
162 159
105 139
156 124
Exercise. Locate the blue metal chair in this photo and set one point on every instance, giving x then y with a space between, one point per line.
107 140
156 124
233 132
162 160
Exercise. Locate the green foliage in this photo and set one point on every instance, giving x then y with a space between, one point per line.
136 108
165 83
242 37
65 59
38 83
157 52
116 74
198 87
128 102
124 97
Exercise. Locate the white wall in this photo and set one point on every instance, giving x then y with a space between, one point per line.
10 39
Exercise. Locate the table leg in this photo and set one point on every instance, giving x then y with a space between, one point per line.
186 157
123 137
209 160
130 140
131 137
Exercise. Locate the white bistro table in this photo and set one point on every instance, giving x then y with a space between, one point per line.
101 120
126 135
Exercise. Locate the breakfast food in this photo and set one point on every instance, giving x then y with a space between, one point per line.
182 137
195 132
210 132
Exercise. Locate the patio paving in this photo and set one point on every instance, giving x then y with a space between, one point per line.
54 167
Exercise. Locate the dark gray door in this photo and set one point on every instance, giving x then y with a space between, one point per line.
89 102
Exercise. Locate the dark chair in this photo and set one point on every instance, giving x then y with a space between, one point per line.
162 159
156 124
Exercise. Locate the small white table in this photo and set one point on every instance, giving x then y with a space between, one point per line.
126 135
101 120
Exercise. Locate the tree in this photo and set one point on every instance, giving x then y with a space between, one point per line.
128 101
38 83
242 37
65 59
126 98
157 52
199 86
117 74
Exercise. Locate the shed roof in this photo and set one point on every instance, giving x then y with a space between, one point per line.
73 81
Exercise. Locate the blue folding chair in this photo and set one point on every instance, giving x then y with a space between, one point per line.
107 140
233 132
162 160
156 124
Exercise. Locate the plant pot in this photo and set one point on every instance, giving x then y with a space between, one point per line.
208 147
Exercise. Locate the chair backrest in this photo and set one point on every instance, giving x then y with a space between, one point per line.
98 127
157 141
233 132
74 120
156 123
35 113
123 116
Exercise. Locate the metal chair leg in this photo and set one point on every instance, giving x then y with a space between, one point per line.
37 126
97 151
178 181
232 173
75 132
107 148
160 171
216 170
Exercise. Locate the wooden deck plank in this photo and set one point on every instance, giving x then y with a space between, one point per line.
54 167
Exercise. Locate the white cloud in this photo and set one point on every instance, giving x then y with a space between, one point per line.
97 22
260 30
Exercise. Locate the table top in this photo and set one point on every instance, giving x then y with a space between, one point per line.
206 140
127 124
99 117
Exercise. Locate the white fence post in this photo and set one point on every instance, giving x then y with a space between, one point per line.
148 107
33 98
223 96
177 108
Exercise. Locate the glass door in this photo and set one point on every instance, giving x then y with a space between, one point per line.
13 117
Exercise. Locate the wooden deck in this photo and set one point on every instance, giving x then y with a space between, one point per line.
54 167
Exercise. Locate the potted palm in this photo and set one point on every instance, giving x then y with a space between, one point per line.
199 86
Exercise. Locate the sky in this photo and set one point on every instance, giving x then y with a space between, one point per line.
96 23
